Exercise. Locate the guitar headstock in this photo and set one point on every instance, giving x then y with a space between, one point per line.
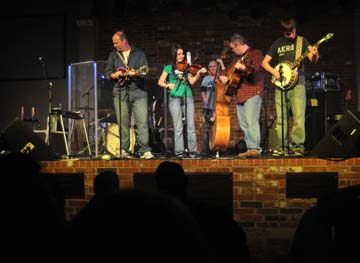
143 70
329 36
325 38
224 51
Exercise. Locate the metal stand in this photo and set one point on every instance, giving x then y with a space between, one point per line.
50 86
119 123
284 96
73 116
166 125
156 144
87 108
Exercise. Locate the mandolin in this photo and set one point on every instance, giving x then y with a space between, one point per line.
124 76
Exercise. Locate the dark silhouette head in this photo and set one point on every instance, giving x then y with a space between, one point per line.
106 182
146 226
171 178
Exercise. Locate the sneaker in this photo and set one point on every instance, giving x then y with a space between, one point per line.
250 154
125 154
147 155
194 156
298 153
278 153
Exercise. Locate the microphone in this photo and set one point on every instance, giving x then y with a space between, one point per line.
188 57
282 79
281 69
41 59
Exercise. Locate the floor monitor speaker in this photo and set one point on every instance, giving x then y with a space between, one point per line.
19 137
341 140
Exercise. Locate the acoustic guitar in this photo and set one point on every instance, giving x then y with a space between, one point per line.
289 69
234 77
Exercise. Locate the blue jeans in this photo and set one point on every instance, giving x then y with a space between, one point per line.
296 100
177 109
137 103
205 146
249 117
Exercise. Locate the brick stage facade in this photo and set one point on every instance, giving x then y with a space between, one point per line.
260 204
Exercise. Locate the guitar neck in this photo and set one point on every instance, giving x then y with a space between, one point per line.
304 55
137 72
299 59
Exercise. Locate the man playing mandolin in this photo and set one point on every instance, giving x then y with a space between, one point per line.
127 66
290 83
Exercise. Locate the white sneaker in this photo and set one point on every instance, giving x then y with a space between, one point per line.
124 154
147 155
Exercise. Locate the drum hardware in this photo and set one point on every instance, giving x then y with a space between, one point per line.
112 140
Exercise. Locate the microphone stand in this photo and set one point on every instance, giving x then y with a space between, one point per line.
87 109
185 119
50 87
120 111
186 153
284 96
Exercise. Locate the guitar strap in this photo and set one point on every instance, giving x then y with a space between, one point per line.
121 56
299 42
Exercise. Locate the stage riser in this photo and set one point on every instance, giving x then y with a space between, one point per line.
259 185
259 194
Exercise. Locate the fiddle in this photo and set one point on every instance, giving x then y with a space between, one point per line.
181 66
193 69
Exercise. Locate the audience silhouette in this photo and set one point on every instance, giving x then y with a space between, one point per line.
225 238
164 226
106 182
327 232
33 221
138 226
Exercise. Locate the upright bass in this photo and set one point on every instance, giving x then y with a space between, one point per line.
220 129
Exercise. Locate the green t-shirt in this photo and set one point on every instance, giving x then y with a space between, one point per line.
177 77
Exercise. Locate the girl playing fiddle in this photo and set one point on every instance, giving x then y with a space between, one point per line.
178 80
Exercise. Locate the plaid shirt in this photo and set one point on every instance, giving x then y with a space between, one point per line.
252 79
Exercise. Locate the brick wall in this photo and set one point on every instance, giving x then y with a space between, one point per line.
259 194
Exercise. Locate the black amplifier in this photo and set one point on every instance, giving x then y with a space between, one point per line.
322 82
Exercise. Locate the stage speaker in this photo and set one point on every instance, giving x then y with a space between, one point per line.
320 107
341 140
19 137
310 184
70 184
